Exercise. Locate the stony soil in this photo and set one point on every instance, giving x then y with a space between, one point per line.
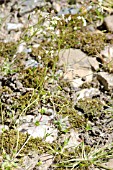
56 85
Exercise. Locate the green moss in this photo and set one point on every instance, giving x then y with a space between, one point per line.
76 120
92 108
9 139
44 51
64 106
7 49
91 43
33 77
75 35
20 61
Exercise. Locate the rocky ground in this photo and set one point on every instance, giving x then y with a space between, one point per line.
56 85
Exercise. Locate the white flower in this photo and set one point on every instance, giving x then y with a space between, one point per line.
83 19
54 22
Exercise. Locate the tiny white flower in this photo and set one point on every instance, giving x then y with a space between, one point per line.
47 23
44 32
75 28
47 51
69 18
55 18
39 31
51 28
62 16
79 17
84 21
39 57
100 2
57 32
54 22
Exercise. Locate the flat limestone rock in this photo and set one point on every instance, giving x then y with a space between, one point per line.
70 57
76 65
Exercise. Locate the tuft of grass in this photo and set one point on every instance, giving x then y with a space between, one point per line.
87 158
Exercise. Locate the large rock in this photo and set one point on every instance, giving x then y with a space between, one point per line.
77 66
27 6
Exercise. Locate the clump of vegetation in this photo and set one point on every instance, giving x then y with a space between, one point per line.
42 87
32 77
7 49
91 108
17 144
9 139
91 43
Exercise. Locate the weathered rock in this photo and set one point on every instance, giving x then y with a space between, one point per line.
74 139
107 53
14 26
42 125
109 23
28 6
87 93
46 160
30 161
31 63
76 82
56 6
107 58
106 80
94 63
76 64
66 11
110 163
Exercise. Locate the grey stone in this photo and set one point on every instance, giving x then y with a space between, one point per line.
28 5
66 11
14 26
77 66
107 52
106 80
31 63
73 139
107 57
45 129
70 57
46 160
75 83
94 63
109 164
109 23
29 161
87 93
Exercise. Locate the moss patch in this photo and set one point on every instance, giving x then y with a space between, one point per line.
91 108
7 49
9 139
